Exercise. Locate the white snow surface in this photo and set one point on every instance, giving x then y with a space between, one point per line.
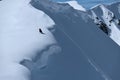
76 5
20 37
115 32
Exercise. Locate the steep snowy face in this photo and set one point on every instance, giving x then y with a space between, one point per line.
24 31
85 48
20 37
76 5
95 17
99 22
110 19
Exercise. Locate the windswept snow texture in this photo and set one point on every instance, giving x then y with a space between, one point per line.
87 53
76 5
20 38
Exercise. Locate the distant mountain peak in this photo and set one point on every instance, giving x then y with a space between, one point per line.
75 5
108 14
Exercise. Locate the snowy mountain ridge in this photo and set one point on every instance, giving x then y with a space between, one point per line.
109 19
58 7
84 52
77 34
75 5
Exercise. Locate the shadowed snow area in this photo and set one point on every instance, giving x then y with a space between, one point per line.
87 52
20 37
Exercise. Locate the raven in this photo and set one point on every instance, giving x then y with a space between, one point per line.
40 30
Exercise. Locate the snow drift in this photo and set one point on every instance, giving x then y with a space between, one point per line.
20 38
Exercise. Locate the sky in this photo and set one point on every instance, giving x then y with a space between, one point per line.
90 3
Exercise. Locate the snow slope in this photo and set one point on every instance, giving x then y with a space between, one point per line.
110 16
87 53
20 37
115 32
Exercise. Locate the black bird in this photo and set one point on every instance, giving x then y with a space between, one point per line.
40 30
